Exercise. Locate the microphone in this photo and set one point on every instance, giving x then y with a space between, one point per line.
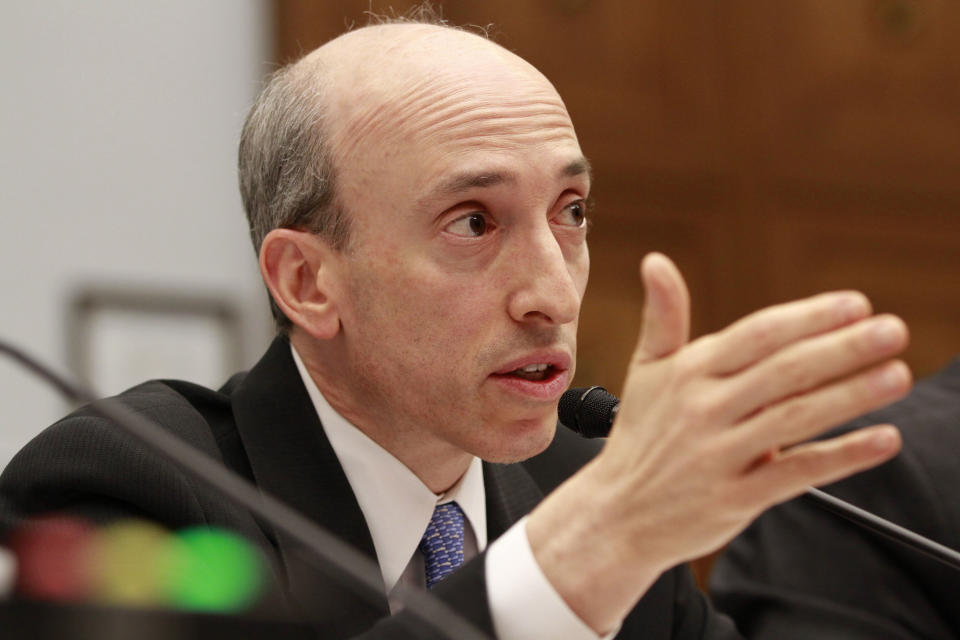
590 411
352 566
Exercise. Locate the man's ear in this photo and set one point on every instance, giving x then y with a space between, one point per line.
299 269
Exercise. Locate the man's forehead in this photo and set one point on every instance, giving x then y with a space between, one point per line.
414 104
461 181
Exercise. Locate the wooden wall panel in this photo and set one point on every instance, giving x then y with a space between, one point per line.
907 261
861 91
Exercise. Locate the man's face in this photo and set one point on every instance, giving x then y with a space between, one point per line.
468 263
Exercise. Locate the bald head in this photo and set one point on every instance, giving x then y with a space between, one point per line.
400 84
360 102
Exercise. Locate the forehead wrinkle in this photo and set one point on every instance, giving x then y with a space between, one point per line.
372 120
442 106
456 104
510 130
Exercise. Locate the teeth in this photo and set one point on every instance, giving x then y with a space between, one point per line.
533 368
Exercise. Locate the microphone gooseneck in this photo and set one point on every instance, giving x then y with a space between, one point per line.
590 411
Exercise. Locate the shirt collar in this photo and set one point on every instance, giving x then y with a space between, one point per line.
395 503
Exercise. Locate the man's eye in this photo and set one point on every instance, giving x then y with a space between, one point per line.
574 214
472 225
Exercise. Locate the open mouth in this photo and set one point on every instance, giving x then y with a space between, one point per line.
533 372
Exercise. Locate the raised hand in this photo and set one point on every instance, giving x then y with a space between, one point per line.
707 437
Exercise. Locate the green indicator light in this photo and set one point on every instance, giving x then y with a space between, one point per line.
213 570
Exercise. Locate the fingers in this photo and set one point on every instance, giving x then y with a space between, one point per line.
810 363
765 332
819 463
803 417
666 310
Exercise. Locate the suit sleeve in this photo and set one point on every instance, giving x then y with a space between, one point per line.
797 573
695 615
801 572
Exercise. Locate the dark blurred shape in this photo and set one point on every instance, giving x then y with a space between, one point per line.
52 621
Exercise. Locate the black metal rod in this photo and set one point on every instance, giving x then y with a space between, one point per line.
883 527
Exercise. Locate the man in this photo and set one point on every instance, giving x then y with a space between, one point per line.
416 196
800 572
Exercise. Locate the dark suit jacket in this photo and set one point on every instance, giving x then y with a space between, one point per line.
800 572
263 426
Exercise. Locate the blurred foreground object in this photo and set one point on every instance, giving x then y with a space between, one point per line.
8 572
136 563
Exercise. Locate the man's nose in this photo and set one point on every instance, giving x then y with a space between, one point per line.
545 285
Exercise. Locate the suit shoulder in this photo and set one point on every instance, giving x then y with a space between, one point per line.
567 453
85 457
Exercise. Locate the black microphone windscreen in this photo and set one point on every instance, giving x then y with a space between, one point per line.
588 410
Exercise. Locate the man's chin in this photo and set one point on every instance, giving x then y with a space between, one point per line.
520 446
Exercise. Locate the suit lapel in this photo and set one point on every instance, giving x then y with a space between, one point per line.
292 460
511 494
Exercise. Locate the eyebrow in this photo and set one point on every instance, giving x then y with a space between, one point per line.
578 167
466 181
472 180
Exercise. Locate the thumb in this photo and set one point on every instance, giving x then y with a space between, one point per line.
666 310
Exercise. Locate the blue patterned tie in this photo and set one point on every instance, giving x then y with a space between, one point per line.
442 544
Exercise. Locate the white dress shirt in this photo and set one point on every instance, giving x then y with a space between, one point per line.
397 507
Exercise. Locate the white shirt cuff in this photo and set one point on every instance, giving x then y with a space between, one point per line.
523 603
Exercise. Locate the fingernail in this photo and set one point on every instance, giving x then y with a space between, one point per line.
890 378
886 333
852 306
884 439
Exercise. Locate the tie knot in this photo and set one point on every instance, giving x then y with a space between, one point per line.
442 543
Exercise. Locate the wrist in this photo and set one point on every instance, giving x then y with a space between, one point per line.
581 540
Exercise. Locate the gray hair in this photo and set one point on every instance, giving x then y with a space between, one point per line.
286 173
286 169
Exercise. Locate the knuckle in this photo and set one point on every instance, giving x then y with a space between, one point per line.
862 343
707 407
794 416
761 333
687 365
696 411
804 467
793 374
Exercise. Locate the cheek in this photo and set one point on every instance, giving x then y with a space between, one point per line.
419 307
580 269
451 316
